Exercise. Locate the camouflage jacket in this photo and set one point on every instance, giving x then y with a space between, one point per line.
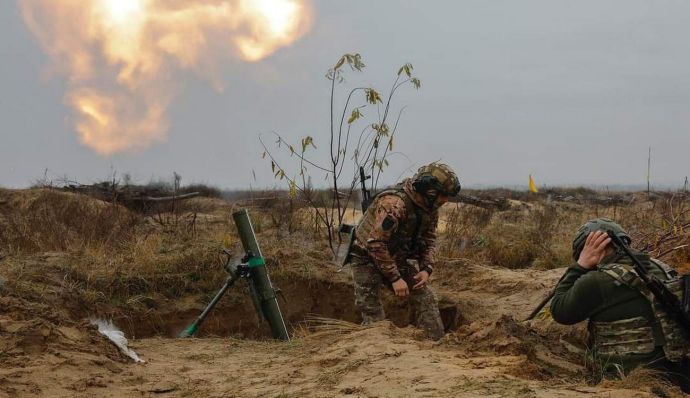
397 227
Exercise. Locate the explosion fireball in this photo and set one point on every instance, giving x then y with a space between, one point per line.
121 58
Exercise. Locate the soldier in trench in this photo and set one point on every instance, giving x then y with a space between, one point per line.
395 246
628 327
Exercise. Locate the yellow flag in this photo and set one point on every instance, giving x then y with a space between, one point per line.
532 185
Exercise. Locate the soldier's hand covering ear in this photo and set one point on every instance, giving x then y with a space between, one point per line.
594 250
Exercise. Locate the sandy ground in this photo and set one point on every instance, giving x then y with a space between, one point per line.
491 353
343 360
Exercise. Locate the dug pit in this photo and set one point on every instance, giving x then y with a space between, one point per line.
300 298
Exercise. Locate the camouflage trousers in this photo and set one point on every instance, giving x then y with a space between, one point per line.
368 281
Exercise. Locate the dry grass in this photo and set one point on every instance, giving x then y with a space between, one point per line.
317 327
661 227
46 220
110 240
539 233
110 254
645 379
116 254
461 229
534 235
113 256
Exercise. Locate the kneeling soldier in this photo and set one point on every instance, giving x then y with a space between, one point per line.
628 326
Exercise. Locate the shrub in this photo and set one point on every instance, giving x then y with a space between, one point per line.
510 245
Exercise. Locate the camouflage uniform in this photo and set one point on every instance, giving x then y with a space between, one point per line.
397 227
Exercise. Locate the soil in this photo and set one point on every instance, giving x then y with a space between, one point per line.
488 351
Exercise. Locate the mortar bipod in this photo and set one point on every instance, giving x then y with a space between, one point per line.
236 271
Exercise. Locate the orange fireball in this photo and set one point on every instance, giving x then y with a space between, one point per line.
122 57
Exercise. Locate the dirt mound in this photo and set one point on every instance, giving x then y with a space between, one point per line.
38 344
503 336
27 329
485 293
33 221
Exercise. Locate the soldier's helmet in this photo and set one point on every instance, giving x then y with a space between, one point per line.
436 176
597 224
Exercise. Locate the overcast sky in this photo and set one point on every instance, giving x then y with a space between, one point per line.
569 91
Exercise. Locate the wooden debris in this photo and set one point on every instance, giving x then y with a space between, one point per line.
131 196
498 204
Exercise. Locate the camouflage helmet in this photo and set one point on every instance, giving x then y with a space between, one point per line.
437 176
597 224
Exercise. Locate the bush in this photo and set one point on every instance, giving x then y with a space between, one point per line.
533 236
462 231
510 246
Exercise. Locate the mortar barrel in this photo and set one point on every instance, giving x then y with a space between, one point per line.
259 276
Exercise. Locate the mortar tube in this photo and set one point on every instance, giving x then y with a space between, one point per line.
258 277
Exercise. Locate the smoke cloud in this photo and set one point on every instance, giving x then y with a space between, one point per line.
122 58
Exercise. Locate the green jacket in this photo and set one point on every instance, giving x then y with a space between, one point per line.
595 296
591 295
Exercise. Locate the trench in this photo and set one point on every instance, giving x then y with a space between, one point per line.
234 316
